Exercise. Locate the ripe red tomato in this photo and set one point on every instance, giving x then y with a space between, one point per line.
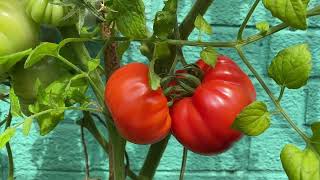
202 122
141 115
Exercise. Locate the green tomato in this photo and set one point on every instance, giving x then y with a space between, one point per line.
46 12
24 80
17 31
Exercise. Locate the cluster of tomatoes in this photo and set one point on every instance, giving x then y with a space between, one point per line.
200 121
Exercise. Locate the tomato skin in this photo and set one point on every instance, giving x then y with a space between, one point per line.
17 31
202 123
140 114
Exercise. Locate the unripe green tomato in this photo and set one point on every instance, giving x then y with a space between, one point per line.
17 31
24 80
46 12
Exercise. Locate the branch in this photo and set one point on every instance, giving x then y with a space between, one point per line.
187 25
184 163
153 159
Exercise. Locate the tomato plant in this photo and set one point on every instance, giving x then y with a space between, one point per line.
207 105
202 123
140 114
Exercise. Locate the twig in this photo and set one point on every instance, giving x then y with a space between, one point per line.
187 25
184 163
99 119
245 22
85 151
8 147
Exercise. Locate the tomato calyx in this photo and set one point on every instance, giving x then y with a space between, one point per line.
182 83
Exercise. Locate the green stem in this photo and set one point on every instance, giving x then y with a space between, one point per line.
245 22
117 143
201 44
85 152
118 152
256 37
65 61
281 93
90 125
184 163
153 159
9 151
272 97
315 11
34 116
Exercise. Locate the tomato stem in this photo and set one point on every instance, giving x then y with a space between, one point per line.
153 159
245 22
187 25
85 151
281 93
184 163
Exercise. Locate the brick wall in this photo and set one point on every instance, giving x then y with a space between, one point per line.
59 155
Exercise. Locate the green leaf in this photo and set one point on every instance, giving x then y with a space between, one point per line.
66 91
202 25
6 136
292 12
253 120
52 97
27 126
209 55
8 61
154 79
263 26
291 67
76 90
71 40
49 121
130 18
15 104
300 165
315 127
165 20
38 54
93 64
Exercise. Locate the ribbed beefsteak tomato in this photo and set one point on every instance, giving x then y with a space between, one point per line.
140 114
202 123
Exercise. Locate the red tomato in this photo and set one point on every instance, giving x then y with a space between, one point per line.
141 115
202 122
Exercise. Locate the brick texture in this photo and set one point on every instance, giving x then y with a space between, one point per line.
60 156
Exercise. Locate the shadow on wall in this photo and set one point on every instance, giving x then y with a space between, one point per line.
59 155
3 166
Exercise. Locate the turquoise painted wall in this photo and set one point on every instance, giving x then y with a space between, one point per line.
59 155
